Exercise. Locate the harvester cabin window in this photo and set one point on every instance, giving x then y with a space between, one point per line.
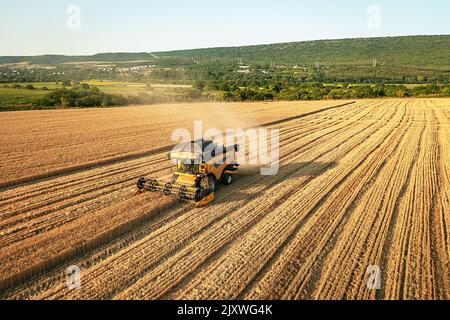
188 167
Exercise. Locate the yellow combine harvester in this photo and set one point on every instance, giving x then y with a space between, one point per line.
200 165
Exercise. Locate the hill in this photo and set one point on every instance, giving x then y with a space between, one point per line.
418 52
427 52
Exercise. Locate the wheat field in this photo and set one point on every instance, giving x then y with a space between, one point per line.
361 184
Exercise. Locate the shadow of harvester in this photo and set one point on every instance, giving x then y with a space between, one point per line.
249 177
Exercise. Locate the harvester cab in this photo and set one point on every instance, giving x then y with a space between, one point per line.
200 166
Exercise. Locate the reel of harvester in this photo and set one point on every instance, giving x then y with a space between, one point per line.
202 194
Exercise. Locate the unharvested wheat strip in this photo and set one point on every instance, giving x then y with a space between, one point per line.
61 200
365 233
34 208
295 264
171 233
212 237
73 207
115 138
41 189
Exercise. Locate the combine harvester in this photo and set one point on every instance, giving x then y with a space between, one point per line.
200 165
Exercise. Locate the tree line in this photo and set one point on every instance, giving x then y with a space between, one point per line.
319 91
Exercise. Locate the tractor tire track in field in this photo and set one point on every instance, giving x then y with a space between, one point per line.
366 230
360 184
301 254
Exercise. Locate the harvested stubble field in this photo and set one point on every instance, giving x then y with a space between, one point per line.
360 184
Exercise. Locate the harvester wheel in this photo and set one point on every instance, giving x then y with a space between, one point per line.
227 179
208 186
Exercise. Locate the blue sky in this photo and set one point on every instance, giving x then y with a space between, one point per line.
31 27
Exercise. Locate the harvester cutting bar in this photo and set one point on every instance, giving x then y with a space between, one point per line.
184 192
